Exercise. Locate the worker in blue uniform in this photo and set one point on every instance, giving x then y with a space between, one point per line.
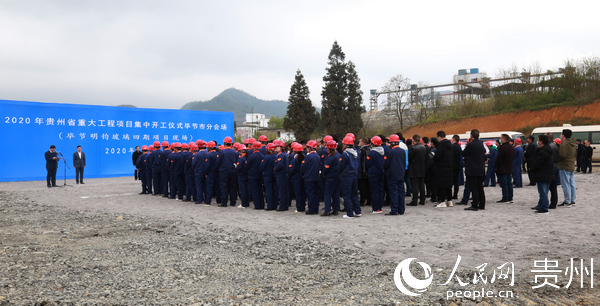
490 174
200 166
190 182
254 161
517 164
375 174
332 180
241 168
179 175
395 164
212 178
155 163
226 163
309 169
266 167
296 177
348 169
165 178
322 154
280 169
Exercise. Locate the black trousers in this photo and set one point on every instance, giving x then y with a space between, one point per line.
51 177
365 191
418 190
476 186
444 194
455 183
79 174
135 174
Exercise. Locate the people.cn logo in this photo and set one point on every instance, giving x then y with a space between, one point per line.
403 275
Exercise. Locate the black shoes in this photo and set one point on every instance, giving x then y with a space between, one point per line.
411 204
326 214
392 214
472 208
504 201
280 209
310 213
541 212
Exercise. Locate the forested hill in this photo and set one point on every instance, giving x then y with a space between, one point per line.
240 103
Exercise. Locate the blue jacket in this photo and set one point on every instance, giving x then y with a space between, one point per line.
201 163
263 150
518 161
147 163
177 162
395 163
310 167
187 162
254 161
348 167
330 166
491 157
267 165
155 160
322 154
227 160
374 162
294 168
164 163
241 167
281 164
140 162
214 159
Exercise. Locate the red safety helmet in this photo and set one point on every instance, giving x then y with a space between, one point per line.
394 138
246 141
270 147
348 140
293 144
150 148
297 148
489 143
236 144
262 138
278 143
228 140
242 147
178 144
518 141
376 140
256 145
331 144
558 141
252 140
185 146
191 143
194 147
172 146
311 144
211 144
221 147
351 135
201 143
157 143
327 138
144 148
165 143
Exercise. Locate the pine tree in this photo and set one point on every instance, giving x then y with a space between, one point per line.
355 100
342 97
301 116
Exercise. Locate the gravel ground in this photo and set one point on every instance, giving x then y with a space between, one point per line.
102 243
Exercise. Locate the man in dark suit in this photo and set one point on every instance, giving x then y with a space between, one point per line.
79 164
136 156
474 155
51 166
417 158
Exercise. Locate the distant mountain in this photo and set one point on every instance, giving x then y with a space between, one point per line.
240 103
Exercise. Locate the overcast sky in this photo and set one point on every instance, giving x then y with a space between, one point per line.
163 54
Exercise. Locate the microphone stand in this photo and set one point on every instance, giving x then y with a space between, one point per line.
66 166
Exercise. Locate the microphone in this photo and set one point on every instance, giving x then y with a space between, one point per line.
60 153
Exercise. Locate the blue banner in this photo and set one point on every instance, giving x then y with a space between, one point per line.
107 134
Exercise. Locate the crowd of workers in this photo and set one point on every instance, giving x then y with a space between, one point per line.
365 172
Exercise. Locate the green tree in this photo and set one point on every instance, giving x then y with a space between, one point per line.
342 97
355 100
276 122
301 116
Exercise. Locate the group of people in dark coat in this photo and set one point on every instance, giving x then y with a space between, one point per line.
373 173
